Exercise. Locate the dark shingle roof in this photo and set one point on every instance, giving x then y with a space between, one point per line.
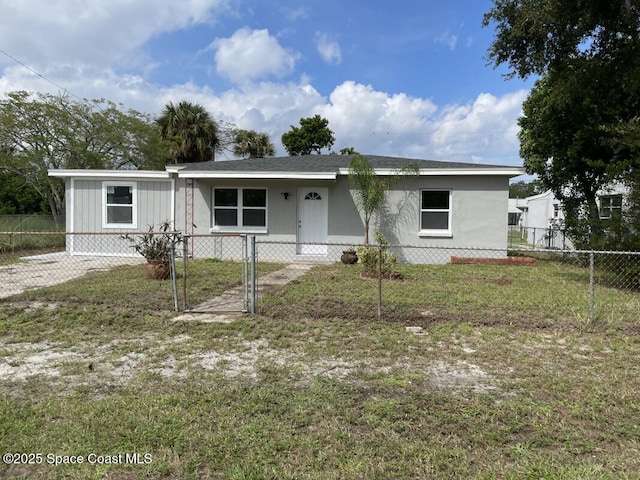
322 163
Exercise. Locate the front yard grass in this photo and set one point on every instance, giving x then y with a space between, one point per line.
508 378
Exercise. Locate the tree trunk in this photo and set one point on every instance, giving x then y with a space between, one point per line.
366 231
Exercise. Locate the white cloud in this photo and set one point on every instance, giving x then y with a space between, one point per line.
375 122
93 32
448 39
252 54
329 50
295 14
488 124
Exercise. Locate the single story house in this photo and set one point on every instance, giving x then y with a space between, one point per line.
305 200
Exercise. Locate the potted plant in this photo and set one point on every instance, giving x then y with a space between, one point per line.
155 247
349 256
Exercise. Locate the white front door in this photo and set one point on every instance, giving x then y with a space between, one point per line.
313 219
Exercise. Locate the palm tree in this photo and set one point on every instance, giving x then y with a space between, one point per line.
252 144
370 189
189 129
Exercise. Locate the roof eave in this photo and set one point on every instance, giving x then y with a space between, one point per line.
259 175
121 174
430 172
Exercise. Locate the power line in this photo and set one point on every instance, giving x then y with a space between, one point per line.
35 72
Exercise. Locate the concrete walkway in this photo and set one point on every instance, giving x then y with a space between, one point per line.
228 306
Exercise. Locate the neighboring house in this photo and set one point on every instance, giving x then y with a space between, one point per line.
543 215
543 211
612 201
305 200
517 209
543 221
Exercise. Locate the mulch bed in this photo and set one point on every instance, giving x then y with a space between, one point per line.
516 261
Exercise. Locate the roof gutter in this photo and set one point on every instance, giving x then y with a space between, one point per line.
260 175
501 171
431 172
90 173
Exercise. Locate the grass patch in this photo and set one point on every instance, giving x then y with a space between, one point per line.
542 297
14 239
507 381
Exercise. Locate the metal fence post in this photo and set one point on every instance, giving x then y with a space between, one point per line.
592 294
379 281
174 276
185 257
245 274
253 274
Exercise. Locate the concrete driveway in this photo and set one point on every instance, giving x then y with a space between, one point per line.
53 268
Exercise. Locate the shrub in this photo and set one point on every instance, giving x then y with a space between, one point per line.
155 246
368 256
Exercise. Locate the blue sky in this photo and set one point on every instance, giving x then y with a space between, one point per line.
402 78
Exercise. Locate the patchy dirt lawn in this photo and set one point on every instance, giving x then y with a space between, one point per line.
104 368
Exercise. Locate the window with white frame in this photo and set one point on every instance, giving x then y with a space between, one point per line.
610 206
240 208
119 205
435 212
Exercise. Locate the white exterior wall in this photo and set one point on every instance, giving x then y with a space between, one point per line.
541 211
84 208
544 221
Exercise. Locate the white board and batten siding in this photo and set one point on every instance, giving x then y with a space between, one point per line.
153 204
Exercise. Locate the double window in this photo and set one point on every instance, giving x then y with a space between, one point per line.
119 205
435 213
244 208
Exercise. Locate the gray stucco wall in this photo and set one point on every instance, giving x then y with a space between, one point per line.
479 215
479 212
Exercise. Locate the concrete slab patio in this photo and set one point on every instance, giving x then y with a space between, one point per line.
229 305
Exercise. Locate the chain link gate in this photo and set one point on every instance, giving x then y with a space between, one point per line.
205 258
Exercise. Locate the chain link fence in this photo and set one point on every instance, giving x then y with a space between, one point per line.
544 238
415 285
18 232
49 259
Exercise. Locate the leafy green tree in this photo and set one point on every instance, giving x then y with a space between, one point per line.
312 136
370 189
625 139
16 197
524 189
536 36
190 131
252 144
39 132
562 140
348 151
588 60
